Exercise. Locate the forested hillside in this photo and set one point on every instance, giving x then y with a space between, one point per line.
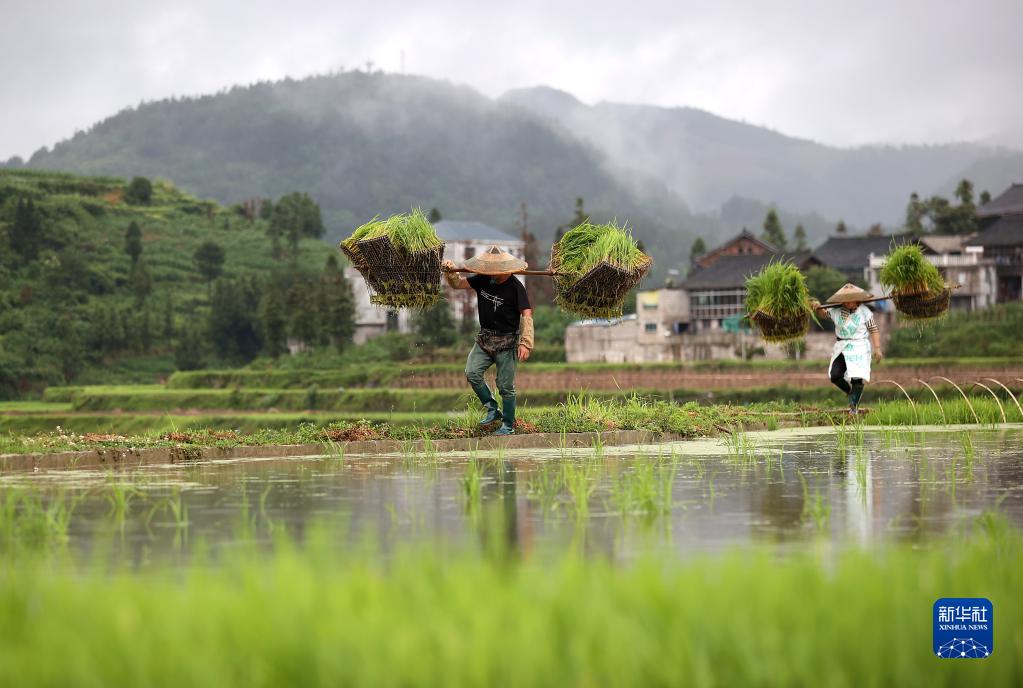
103 280
367 144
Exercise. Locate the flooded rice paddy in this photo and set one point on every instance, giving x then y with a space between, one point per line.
780 489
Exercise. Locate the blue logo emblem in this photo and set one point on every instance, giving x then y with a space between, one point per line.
963 627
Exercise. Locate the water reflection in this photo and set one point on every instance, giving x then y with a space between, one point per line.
787 491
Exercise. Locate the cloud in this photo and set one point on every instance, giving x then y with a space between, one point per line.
841 73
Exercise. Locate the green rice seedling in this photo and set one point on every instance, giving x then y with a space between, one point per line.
407 276
410 233
472 484
30 522
816 507
579 254
740 448
647 489
546 486
579 479
583 247
778 302
907 271
966 444
119 497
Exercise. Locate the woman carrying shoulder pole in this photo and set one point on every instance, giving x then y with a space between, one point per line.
858 341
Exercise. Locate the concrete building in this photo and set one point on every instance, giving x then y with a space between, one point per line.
462 240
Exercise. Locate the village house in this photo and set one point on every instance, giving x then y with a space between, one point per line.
698 320
1001 239
850 255
462 240
716 287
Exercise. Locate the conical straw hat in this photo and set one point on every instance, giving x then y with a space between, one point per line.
494 261
850 292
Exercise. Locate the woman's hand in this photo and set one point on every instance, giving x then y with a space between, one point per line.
448 265
523 353
878 355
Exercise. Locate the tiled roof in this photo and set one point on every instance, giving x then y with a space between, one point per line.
1009 201
1008 231
853 252
459 230
730 272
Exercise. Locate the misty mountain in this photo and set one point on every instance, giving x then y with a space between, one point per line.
993 174
708 159
367 144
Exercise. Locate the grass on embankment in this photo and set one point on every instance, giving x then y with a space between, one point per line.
578 415
242 423
383 375
154 398
320 615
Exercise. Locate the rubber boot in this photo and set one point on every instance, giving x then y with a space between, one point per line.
508 426
855 394
493 414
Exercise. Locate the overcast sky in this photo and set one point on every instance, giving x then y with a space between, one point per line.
843 73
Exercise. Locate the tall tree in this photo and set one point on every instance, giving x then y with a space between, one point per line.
209 261
774 233
915 212
985 197
25 233
799 234
339 316
295 216
841 229
133 242
434 216
303 323
698 250
190 350
141 282
964 192
274 321
234 320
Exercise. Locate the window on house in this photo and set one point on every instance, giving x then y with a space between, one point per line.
650 327
470 251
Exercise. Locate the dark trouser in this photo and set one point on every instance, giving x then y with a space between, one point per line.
837 374
478 363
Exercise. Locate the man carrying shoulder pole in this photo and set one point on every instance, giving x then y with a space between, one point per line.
506 329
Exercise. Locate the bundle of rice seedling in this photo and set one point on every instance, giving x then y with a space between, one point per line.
918 290
778 303
596 265
399 258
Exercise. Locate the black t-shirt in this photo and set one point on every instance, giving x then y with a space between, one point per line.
499 305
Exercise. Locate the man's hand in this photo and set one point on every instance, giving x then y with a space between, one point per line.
452 277
523 353
878 355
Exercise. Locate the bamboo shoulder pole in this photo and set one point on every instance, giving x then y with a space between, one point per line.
882 298
546 273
